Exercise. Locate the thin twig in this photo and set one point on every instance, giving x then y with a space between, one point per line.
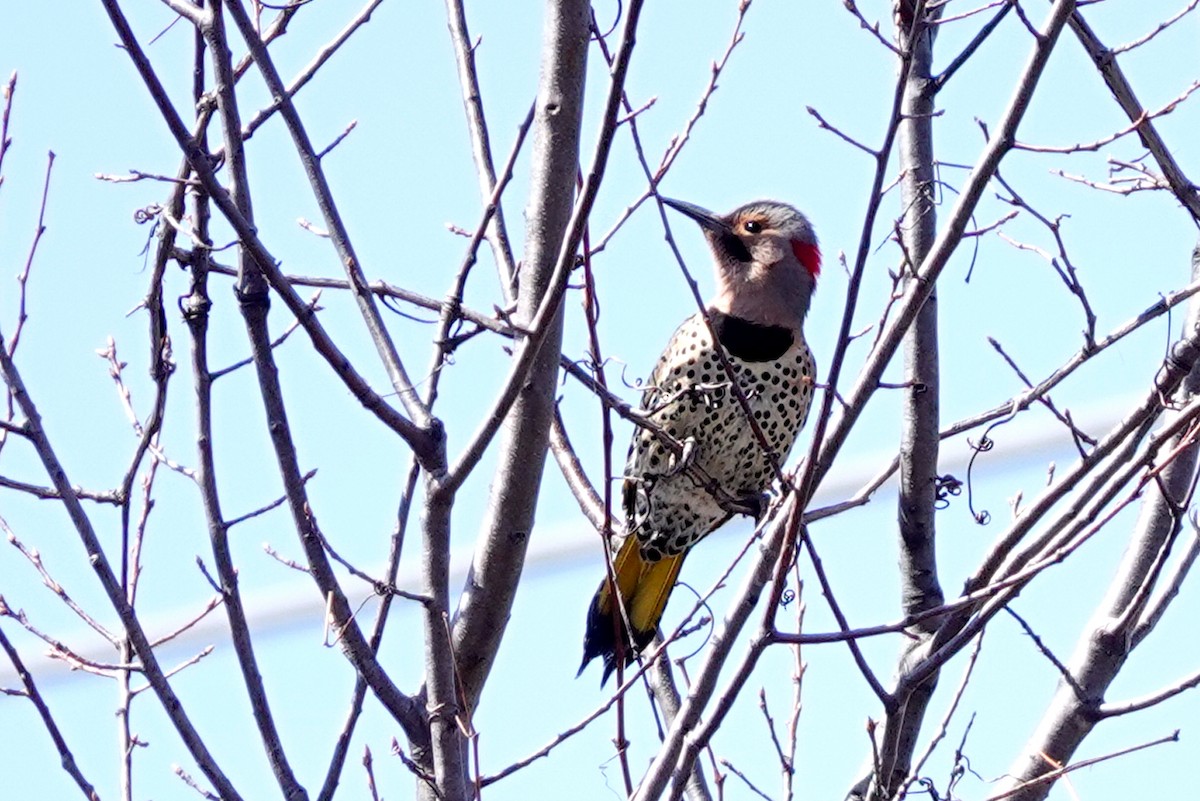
915 773
1162 26
1116 708
1058 773
1183 188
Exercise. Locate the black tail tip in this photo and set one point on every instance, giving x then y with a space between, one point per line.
609 660
599 640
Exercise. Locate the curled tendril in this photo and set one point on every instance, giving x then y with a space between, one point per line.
786 598
596 34
147 214
927 786
705 620
985 444
946 487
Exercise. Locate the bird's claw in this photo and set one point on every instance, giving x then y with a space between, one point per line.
685 459
754 505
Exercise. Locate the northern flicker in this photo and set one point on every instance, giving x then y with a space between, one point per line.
767 261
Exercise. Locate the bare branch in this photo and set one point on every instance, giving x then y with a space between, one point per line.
426 442
1059 772
590 502
546 319
307 73
1162 26
1106 63
35 558
340 237
1114 709
919 488
1044 649
66 758
342 746
481 147
655 175
23 276
968 671
108 579
1106 645
947 240
1137 125
112 497
745 779
821 121
687 735
873 29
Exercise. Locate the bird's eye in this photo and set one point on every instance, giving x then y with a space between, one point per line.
752 226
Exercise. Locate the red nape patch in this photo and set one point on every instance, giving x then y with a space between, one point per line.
809 255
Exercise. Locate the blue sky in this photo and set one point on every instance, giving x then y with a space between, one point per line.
400 178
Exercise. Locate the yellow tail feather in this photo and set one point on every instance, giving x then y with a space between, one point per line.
645 588
648 600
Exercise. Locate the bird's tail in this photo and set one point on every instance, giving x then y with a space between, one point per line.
644 588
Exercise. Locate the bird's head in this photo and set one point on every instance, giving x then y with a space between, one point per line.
767 260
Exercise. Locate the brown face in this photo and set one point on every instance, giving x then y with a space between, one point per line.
766 260
770 231
751 223
764 232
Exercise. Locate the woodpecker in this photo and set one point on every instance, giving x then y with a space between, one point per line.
766 260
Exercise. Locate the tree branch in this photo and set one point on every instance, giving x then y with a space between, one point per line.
1103 649
527 399
1106 62
66 758
171 704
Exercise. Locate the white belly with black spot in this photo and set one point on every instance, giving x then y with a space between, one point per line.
691 400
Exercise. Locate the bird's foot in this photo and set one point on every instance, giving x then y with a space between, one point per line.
754 505
685 459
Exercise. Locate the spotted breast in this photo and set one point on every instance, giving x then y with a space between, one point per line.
669 509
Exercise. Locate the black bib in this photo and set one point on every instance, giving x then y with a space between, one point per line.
749 341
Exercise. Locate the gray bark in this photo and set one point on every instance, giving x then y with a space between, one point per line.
666 692
492 583
918 490
1110 636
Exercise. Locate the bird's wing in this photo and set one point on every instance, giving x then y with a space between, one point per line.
675 403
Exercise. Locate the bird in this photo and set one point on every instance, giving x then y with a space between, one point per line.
766 262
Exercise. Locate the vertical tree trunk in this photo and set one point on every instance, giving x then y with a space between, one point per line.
457 666
496 569
919 586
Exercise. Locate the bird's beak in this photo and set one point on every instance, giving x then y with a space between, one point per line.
703 216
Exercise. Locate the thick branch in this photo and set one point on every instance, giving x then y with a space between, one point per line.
196 307
252 294
448 720
1106 644
918 490
999 144
554 233
1106 62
